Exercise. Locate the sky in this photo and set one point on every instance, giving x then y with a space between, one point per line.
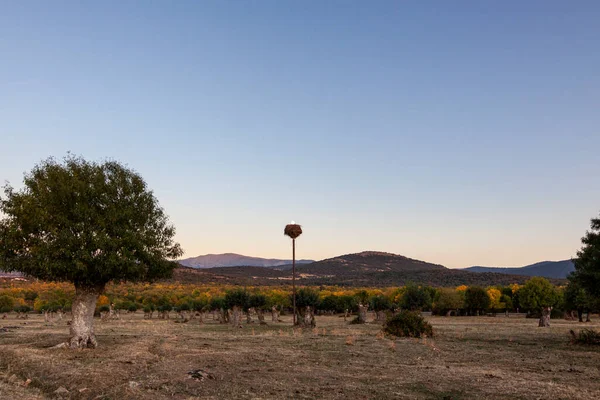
460 133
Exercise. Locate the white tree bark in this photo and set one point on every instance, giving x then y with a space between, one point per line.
545 318
82 326
362 314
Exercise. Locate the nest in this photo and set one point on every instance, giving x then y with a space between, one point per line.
293 230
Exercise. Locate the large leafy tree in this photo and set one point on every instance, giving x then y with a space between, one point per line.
477 299
587 262
538 293
88 223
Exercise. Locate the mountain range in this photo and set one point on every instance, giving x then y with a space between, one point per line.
368 268
548 269
235 260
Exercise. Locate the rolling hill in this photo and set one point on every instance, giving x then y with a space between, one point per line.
547 269
234 260
373 269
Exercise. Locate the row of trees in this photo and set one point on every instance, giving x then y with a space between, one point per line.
533 296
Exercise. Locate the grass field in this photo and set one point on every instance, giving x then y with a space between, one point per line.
469 357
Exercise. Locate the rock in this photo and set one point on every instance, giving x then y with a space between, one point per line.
61 390
133 385
200 375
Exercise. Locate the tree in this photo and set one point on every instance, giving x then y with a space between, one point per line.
576 298
587 263
237 300
539 294
415 298
447 300
307 300
258 301
476 299
88 223
380 304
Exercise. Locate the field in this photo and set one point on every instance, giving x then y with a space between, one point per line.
469 357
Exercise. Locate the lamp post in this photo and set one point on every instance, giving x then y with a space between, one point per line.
293 230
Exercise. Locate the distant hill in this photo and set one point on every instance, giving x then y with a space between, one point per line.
234 260
373 269
547 269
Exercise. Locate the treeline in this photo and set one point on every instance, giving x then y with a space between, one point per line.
531 297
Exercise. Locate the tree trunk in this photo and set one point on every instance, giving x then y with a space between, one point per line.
580 314
545 318
362 314
261 316
236 317
380 316
82 326
274 314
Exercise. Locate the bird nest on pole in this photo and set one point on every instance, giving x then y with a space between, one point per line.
293 230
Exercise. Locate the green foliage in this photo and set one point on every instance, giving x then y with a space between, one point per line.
362 297
199 304
217 303
586 336
408 324
329 303
6 303
346 302
380 303
416 298
507 300
87 223
476 299
104 308
237 297
447 299
587 263
22 308
149 308
537 293
306 297
258 301
133 307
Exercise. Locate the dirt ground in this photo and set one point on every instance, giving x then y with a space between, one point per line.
469 357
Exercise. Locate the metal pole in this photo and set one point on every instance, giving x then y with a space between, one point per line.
294 277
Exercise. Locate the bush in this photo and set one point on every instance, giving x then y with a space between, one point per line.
23 308
104 308
586 336
6 303
408 323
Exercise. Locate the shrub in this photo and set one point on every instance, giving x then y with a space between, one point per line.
104 308
408 323
132 307
586 336
6 303
22 308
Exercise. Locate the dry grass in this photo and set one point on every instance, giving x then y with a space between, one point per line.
492 358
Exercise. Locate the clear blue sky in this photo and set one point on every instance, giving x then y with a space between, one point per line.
461 133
